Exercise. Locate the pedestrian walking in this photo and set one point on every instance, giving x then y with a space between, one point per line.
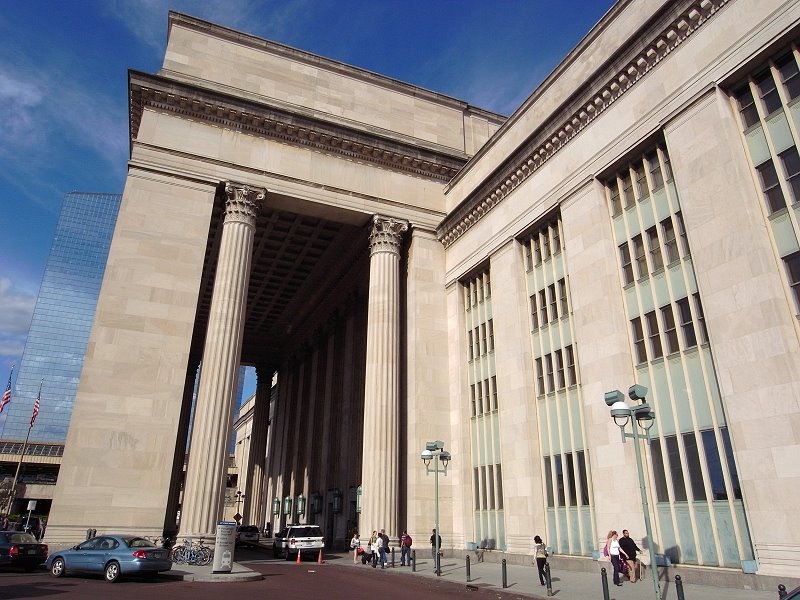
630 548
434 539
615 553
540 555
384 548
405 549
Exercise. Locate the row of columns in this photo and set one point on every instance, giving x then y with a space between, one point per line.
204 489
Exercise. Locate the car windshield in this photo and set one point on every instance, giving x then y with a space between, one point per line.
306 532
21 538
248 529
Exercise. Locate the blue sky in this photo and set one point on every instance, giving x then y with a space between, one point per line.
64 105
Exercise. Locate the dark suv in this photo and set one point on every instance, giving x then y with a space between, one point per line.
297 538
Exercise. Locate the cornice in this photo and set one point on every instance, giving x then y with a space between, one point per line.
544 145
186 101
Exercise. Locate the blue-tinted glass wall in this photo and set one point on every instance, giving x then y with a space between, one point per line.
62 318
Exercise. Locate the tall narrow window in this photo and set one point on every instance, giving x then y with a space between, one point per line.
789 76
562 382
792 263
487 397
551 292
659 474
534 313
667 167
498 473
490 326
770 186
476 482
490 479
528 256
675 468
540 376
641 181
562 294
545 244
670 242
655 249
627 190
572 377
652 332
627 265
559 479
584 481
473 400
701 318
479 281
689 336
639 256
791 166
769 94
537 249
488 285
543 308
471 347
556 237
548 482
573 495
638 340
682 233
670 333
656 177
693 466
613 198
747 106
548 360
484 348
494 392
479 389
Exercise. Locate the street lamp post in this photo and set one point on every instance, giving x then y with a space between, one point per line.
434 451
642 418
239 500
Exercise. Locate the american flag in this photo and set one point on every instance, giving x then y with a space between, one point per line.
7 394
36 405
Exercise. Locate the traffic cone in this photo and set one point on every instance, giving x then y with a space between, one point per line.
299 554
319 558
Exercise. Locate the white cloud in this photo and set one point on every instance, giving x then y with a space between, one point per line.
20 97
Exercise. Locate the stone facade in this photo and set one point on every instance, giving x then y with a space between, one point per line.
423 270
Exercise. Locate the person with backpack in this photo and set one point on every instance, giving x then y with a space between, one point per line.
405 549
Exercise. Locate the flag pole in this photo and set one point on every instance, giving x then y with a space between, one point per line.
12 496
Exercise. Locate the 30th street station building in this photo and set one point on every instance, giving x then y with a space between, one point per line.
414 268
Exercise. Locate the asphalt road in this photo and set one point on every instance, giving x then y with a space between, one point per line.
282 580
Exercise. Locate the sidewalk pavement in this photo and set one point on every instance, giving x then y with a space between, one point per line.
566 585
520 580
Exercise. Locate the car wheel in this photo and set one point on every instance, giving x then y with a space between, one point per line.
112 572
57 567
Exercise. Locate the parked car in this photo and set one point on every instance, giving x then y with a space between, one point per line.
297 538
111 555
247 534
21 550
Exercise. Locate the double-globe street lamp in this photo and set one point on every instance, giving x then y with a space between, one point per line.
435 452
642 418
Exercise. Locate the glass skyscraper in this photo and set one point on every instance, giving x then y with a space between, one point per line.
62 319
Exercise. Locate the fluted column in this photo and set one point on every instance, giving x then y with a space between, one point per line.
379 470
204 490
254 481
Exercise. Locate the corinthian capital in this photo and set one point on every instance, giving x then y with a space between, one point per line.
243 202
386 234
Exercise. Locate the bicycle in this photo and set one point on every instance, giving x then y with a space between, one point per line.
192 553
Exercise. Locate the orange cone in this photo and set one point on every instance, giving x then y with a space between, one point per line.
319 558
299 554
